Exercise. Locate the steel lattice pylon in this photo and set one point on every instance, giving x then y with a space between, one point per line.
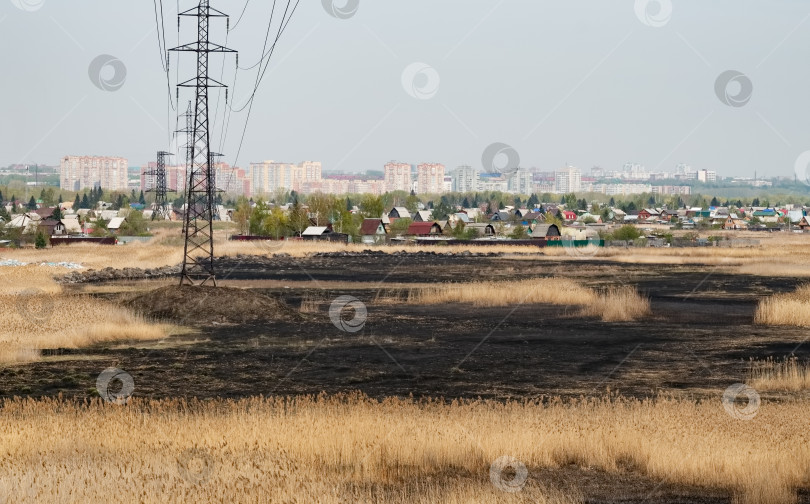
198 259
189 147
161 208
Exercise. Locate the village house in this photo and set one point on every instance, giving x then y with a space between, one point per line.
482 229
732 222
548 231
424 229
422 216
373 232
399 213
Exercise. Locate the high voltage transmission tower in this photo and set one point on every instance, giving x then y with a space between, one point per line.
188 131
161 208
198 255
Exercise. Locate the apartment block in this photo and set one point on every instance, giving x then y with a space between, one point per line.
80 172
397 177
430 178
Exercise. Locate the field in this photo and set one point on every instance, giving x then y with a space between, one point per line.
326 373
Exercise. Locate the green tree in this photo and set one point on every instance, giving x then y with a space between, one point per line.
299 220
241 215
41 241
134 224
276 223
372 206
518 232
141 199
32 204
412 203
400 226
442 211
77 203
100 228
85 201
570 201
627 232
57 213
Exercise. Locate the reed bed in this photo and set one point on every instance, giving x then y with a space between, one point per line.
787 309
614 304
354 449
779 374
35 320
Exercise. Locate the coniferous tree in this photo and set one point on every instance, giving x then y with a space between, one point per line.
141 199
85 201
77 202
32 204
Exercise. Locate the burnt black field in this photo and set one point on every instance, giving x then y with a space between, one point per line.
698 340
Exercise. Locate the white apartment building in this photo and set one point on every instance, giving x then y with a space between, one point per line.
398 177
80 172
465 179
567 180
706 176
268 176
521 182
430 178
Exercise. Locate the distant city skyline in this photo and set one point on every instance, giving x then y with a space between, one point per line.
710 84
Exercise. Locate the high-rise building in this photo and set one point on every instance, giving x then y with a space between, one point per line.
567 180
706 176
521 182
268 176
397 177
430 178
79 172
465 179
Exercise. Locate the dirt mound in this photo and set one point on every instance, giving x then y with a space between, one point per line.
193 305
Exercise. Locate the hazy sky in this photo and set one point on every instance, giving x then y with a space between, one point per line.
588 82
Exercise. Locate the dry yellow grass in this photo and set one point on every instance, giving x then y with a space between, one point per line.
618 304
788 309
352 449
613 305
35 320
781 375
779 253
